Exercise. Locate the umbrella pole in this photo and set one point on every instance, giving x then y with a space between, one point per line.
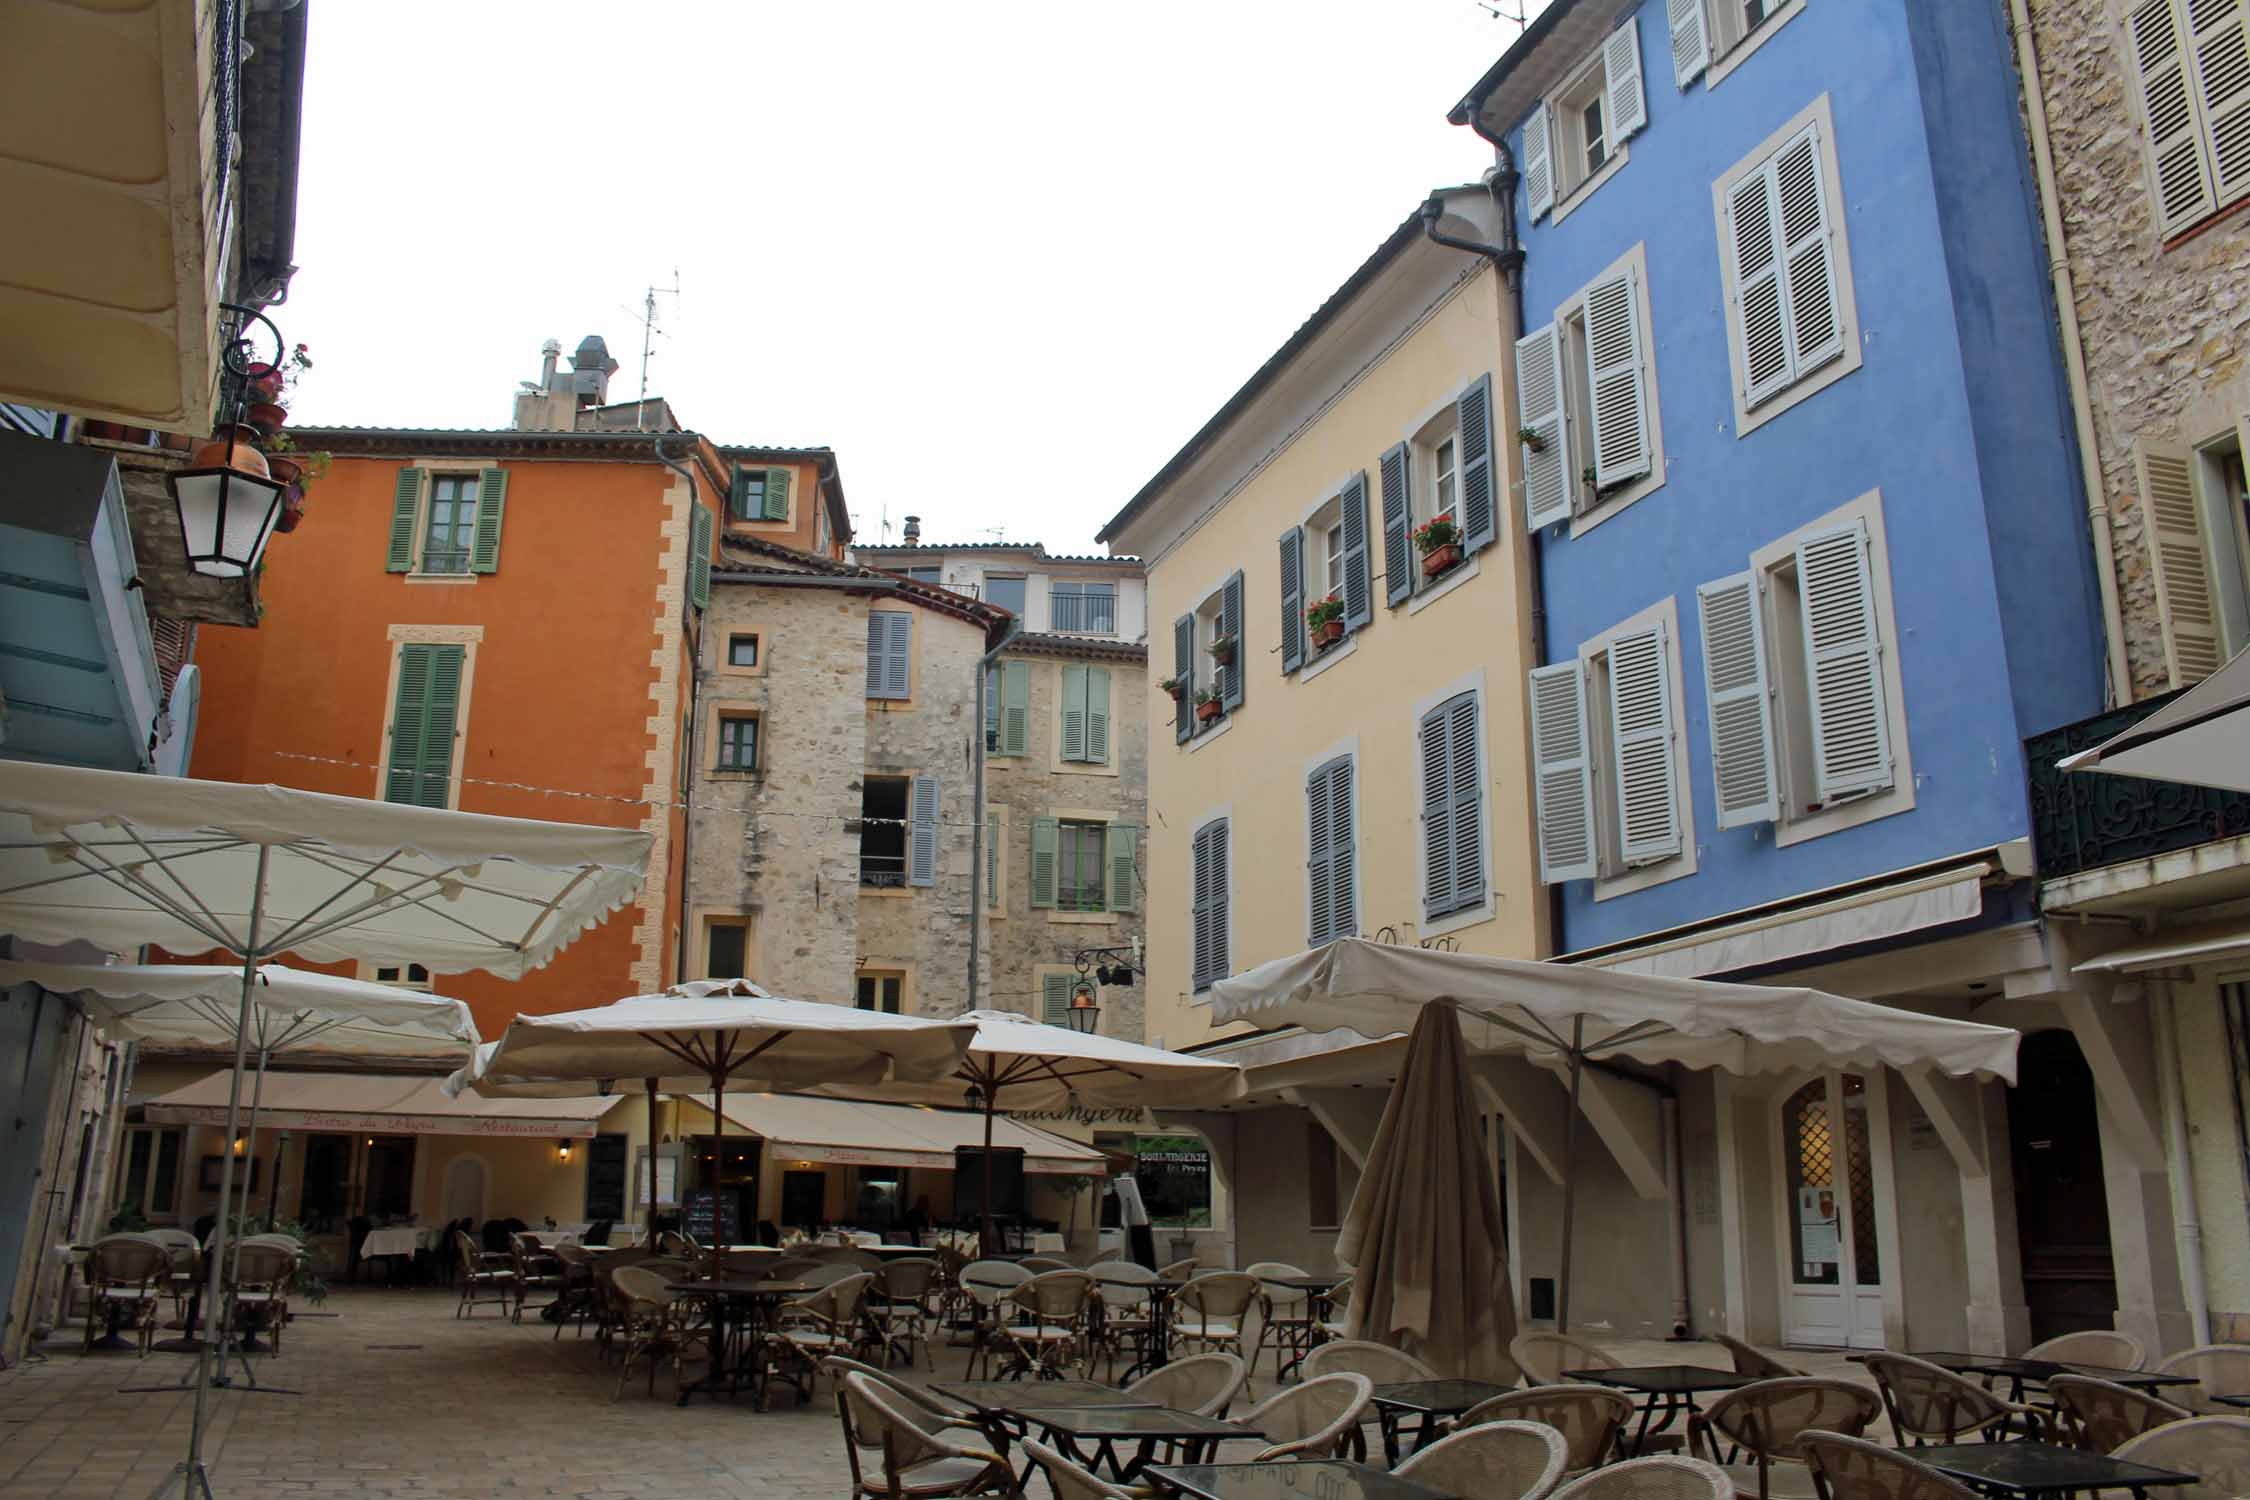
718 1166
250 1133
650 1085
1570 1171
992 1244
273 1184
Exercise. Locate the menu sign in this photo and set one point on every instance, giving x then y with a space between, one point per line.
702 1217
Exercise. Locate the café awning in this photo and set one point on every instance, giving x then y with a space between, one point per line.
380 1104
800 1128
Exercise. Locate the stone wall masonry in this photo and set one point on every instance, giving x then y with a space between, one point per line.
2165 327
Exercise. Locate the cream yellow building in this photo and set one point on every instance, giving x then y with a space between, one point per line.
1377 785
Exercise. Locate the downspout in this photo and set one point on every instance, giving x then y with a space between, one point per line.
695 637
2074 355
2187 1220
977 819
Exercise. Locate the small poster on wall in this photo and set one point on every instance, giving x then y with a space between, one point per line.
667 1179
1819 1237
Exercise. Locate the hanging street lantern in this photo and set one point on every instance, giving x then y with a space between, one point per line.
227 500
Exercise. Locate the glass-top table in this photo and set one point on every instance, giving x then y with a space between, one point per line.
1430 1400
1668 1391
1090 1435
2021 1372
1328 1479
2042 1468
739 1309
995 1397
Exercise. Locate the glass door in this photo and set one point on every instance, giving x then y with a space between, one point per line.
1835 1285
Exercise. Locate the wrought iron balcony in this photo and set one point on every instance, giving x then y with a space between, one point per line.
2084 820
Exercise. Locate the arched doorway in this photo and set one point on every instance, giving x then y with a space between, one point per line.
1834 1293
463 1197
2062 1208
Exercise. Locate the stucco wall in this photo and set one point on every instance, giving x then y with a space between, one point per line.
2215 1155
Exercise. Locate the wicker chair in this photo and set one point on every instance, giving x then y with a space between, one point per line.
2215 1449
1665 1477
1928 1404
829 1322
649 1325
930 1409
1180 1270
537 1270
1754 1362
1338 1323
257 1288
1381 1364
2097 1416
1285 1316
1072 1481
899 1303
186 1252
1127 1294
1047 1332
1492 1461
1312 1419
1763 1422
916 1462
2219 1370
1850 1468
486 1275
1589 1417
984 1283
1040 1265
2095 1346
1205 1384
127 1279
1544 1356
1208 1312
578 1296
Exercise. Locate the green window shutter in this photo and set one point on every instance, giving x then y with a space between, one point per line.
492 503
1097 715
699 557
738 490
1015 708
992 899
406 510
439 725
1044 838
424 716
1054 999
777 494
1124 872
1074 713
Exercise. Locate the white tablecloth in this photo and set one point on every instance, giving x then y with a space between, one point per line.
404 1240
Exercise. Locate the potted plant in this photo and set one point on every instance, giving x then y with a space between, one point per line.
292 508
1532 438
1324 618
1439 542
1592 476
241 455
1175 687
1222 651
263 382
1207 706
267 416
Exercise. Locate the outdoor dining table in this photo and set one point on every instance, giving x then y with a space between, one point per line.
1669 1390
998 1398
1074 1429
1318 1287
1157 1352
2022 1372
741 1308
1431 1400
2033 1468
2232 1400
1328 1479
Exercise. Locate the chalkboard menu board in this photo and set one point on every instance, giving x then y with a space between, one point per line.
702 1220
605 1177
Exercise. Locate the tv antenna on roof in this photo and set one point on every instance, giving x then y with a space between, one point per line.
1501 12
649 331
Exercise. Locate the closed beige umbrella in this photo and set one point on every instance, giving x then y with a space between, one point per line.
1424 1232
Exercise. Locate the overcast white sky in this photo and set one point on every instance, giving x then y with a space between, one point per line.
1004 258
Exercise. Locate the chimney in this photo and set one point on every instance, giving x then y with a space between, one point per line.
913 536
590 369
549 352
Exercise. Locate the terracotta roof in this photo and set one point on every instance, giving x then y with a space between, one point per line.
1034 549
1041 643
777 559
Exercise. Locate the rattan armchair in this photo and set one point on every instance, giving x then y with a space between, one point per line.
929 1407
829 1322
537 1270
2214 1449
1205 1384
1754 1362
1588 1416
1544 1356
486 1275
1208 1313
2097 1415
260 1274
1850 1468
2219 1370
915 1461
1763 1423
1073 1481
577 1296
2092 1346
187 1261
650 1325
1126 1320
1492 1461
1043 1324
1668 1476
900 1304
128 1277
1285 1315
1381 1364
1928 1404
1310 1420
1181 1270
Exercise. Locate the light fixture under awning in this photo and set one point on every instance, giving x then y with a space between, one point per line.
380 1104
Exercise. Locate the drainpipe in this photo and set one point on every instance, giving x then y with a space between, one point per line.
2187 1222
2074 355
976 818
688 627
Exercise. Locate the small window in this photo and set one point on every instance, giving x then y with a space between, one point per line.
1083 608
749 500
738 742
1207 661
405 976
742 650
1080 858
1005 590
880 992
931 576
1332 556
726 948
882 832
1581 128
449 538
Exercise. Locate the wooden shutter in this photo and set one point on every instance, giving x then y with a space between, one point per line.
1563 772
492 504
1547 481
1851 750
1816 324
1640 727
1073 713
1359 582
1199 906
878 643
1054 999
992 897
1738 692
1183 673
1398 551
1230 623
1218 908
777 494
1015 708
2179 552
1046 839
406 515
1473 411
1691 41
1124 869
1452 809
1292 599
922 811
1343 895
1437 817
424 718
1320 873
1538 164
738 495
1627 110
1618 384
1760 325
2222 93
699 556
1097 716
2179 164
890 653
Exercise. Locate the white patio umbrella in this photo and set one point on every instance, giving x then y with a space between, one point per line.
2201 738
121 860
1566 1015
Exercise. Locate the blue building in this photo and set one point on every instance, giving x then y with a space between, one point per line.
1795 455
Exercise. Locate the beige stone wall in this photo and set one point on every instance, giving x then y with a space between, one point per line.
2165 327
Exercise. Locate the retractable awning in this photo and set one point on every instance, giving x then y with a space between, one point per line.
380 1104
800 1128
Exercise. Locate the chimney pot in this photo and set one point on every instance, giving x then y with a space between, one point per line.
913 531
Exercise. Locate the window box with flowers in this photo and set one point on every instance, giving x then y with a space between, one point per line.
1222 650
1207 705
1174 687
1439 542
1324 621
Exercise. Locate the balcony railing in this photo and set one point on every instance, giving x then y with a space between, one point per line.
1082 614
2084 820
883 871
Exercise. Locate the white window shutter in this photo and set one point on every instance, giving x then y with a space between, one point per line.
1538 165
2179 163
1738 690
923 813
1563 772
1851 752
2179 551
1691 41
1627 110
2222 89
1640 724
1620 396
1754 271
1547 486
1816 324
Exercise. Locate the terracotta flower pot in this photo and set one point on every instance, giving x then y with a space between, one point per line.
1438 559
246 458
284 468
267 416
292 508
1327 635
1224 656
1206 712
1177 692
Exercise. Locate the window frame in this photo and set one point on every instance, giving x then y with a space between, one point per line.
905 855
471 483
735 922
1587 85
1612 876
723 760
156 1136
1081 831
1023 580
373 974
1085 590
469 638
894 978
756 663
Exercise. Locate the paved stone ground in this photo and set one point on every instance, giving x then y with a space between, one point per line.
469 1408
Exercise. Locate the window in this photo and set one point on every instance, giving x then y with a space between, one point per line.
2190 60
1082 608
738 742
1587 393
425 716
1792 325
1452 809
1335 536
1085 715
1007 708
1445 470
1332 558
1005 590
1078 865
1207 656
726 948
1321 1197
880 991
447 524
1083 865
1207 910
934 577
890 654
758 495
1715 34
152 1172
1331 886
1611 761
405 976
1572 136
2193 515
882 832
451 530
742 650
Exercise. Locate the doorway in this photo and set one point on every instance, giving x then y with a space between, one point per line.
2062 1206
324 1199
389 1177
1834 1293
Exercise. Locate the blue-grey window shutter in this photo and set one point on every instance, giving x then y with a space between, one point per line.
1452 809
1331 904
1474 410
1398 553
1230 623
890 646
1292 599
1209 905
699 557
921 865
1359 583
1343 898
1183 670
